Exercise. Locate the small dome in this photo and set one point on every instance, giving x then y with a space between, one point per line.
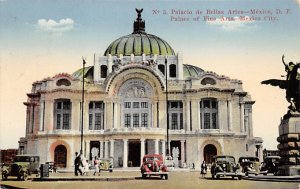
139 42
88 73
191 71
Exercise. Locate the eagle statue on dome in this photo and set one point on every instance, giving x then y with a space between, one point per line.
291 84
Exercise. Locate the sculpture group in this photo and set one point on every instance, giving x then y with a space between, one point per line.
290 84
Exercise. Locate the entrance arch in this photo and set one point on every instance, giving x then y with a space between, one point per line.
208 152
60 156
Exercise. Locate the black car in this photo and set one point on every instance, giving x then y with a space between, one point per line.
270 165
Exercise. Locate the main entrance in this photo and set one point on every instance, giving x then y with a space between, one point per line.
209 151
60 156
134 154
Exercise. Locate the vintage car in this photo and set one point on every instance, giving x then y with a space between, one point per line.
249 165
270 165
153 165
225 166
23 166
106 165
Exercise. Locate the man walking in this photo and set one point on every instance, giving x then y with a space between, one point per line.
77 164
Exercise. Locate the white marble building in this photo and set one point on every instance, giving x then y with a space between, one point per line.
125 108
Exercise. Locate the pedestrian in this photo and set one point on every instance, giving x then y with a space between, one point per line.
77 164
203 169
86 168
96 164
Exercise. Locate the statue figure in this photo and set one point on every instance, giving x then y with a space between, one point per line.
139 11
291 85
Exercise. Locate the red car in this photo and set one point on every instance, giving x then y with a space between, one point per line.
153 165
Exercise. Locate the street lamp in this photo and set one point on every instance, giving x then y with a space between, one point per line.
82 105
167 105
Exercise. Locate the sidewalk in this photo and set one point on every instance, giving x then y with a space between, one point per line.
272 178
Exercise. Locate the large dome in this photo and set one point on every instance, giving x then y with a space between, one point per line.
139 42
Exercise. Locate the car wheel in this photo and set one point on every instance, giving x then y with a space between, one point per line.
166 177
110 170
4 176
23 176
240 177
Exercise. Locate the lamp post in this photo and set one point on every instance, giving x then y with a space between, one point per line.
82 105
167 105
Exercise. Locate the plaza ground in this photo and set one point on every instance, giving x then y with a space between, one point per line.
186 179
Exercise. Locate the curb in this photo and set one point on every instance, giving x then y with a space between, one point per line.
274 178
83 179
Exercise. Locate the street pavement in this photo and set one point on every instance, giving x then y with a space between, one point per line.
133 180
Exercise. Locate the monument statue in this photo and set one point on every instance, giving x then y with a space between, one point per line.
289 128
290 84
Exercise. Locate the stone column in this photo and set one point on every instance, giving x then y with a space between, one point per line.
125 153
187 115
42 115
109 64
106 149
49 117
101 150
115 109
105 115
242 117
109 115
87 150
76 115
182 153
163 148
156 146
229 113
86 116
250 129
219 115
180 65
112 148
142 149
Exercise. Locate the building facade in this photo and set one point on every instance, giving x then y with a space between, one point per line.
127 94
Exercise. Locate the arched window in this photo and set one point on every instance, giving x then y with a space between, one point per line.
161 68
208 80
103 69
63 82
172 69
209 113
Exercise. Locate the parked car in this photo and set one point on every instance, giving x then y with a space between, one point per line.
23 166
225 166
106 165
153 165
270 165
250 165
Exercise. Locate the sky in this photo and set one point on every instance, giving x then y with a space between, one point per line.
43 38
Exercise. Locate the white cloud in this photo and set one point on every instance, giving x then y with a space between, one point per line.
63 25
232 25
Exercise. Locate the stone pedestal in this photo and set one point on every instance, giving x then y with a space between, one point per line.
289 145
